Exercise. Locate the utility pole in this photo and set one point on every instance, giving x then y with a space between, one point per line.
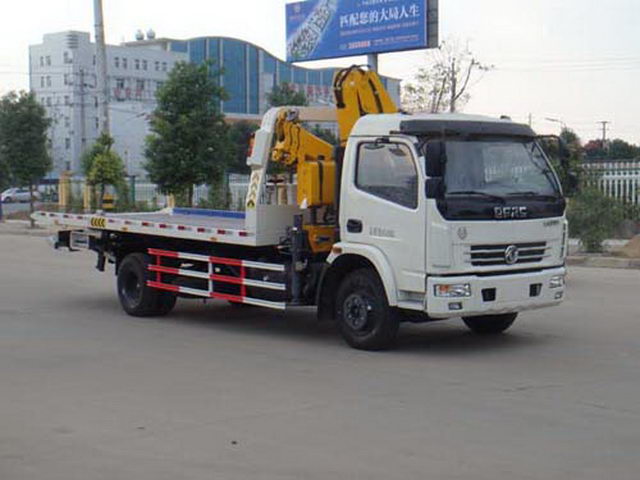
604 123
531 120
101 66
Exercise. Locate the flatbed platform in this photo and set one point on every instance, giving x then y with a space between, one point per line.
192 224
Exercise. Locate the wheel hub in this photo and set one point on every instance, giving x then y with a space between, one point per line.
356 311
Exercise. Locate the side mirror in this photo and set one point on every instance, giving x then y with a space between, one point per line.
435 188
564 150
435 154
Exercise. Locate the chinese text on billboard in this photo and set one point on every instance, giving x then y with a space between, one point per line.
337 28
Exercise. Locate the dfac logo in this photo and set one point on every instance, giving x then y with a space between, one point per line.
509 213
511 255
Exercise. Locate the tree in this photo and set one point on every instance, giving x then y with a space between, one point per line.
616 149
189 144
284 95
107 169
23 140
444 83
621 150
103 145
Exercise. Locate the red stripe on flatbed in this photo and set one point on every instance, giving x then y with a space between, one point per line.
161 269
226 261
163 286
227 279
163 253
230 298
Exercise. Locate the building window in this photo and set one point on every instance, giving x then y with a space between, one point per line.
48 101
48 81
67 122
66 79
94 59
124 63
116 62
159 85
67 143
66 57
164 66
157 66
144 65
95 102
97 123
42 82
42 61
48 59
140 85
136 62
66 100
120 83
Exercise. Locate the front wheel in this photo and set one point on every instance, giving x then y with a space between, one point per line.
490 324
136 298
363 315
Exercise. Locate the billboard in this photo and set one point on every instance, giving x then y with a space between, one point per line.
318 29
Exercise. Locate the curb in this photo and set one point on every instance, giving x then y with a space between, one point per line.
604 262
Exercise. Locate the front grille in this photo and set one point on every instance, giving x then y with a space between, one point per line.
492 255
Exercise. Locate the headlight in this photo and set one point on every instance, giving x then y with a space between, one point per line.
557 281
456 290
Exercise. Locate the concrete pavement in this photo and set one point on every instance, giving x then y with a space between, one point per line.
215 392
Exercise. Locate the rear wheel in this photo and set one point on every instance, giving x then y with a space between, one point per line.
364 317
490 324
136 298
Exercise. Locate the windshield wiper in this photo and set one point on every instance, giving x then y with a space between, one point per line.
479 193
532 194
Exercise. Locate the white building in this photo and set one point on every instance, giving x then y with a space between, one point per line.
63 77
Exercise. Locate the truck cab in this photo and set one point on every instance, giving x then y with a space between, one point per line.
458 215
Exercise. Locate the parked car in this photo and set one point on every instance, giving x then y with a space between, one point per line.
18 195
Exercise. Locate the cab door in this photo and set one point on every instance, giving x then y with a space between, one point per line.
382 206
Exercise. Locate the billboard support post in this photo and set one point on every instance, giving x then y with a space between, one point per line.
372 61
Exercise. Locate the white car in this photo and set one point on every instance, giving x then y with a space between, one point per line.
19 195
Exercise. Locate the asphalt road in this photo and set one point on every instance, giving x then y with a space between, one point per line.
215 392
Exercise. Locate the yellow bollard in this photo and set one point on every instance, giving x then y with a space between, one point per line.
64 189
108 202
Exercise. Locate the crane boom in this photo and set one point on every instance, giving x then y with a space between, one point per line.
358 92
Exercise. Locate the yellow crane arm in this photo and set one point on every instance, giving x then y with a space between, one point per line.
313 157
359 91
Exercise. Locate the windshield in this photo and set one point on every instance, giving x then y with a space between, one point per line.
503 168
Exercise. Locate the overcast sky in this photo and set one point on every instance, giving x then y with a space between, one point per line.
573 60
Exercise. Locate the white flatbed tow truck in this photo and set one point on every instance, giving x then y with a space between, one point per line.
412 218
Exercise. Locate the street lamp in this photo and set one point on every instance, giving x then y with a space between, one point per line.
556 120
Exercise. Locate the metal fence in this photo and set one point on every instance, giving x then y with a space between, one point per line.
618 179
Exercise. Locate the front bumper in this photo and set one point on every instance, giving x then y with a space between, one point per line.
513 293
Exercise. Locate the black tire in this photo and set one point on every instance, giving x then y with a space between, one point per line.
136 298
8 200
362 312
490 324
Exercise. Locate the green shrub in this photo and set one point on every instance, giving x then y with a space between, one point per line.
593 217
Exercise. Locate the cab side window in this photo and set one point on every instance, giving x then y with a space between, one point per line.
388 172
